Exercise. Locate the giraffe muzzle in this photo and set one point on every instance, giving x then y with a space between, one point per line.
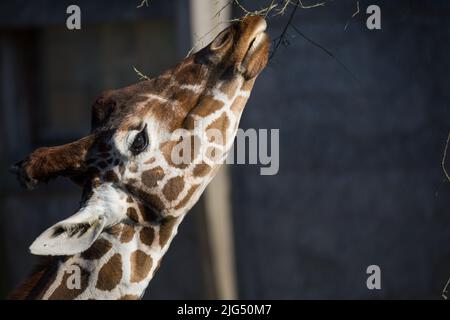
252 47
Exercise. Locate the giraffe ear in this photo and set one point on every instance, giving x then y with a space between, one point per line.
71 236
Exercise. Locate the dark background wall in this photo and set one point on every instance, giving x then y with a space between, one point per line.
360 180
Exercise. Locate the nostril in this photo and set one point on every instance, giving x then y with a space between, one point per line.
221 40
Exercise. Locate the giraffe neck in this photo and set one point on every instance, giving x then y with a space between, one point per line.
119 265
122 261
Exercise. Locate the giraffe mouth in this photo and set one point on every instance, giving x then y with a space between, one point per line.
256 56
259 35
258 38
257 41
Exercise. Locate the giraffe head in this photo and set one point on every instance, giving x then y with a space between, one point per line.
158 142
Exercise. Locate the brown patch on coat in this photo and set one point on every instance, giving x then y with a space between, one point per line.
127 233
166 230
151 177
97 250
201 170
110 273
173 188
141 264
147 235
132 214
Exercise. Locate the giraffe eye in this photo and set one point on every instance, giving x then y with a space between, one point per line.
140 142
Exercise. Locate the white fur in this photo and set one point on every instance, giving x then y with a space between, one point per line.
102 210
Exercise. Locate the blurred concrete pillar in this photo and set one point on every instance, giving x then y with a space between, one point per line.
208 18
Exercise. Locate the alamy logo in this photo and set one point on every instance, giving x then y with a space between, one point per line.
374 280
211 146
73 21
374 20
73 282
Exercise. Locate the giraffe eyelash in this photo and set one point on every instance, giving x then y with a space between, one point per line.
131 135
140 142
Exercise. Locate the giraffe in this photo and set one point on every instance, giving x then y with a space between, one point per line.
153 148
